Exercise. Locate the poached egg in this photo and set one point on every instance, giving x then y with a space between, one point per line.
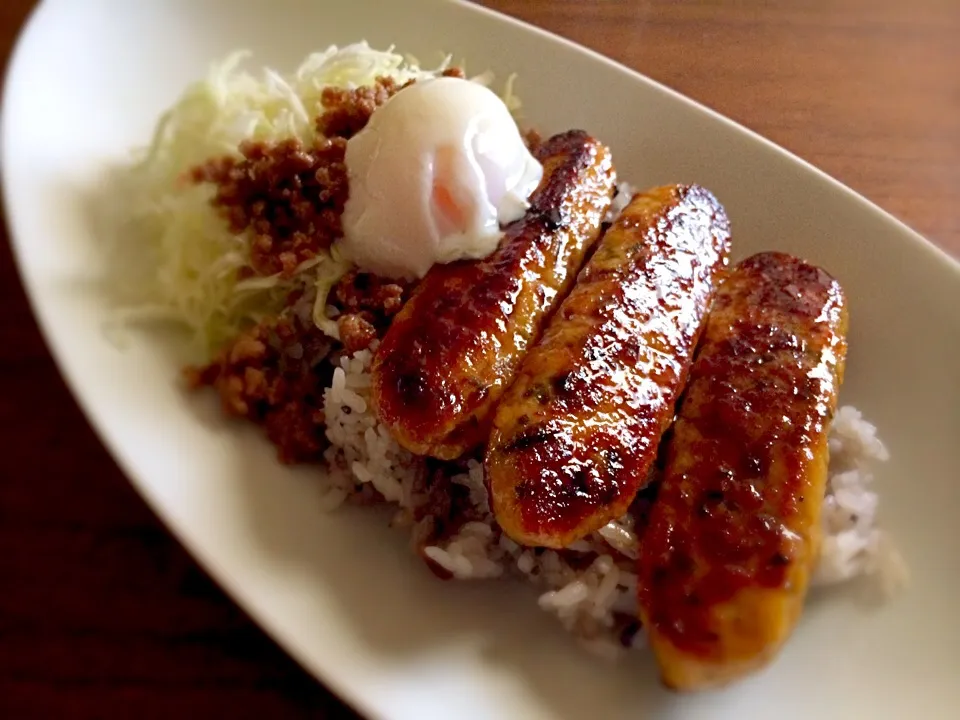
434 174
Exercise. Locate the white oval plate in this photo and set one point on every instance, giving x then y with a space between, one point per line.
341 593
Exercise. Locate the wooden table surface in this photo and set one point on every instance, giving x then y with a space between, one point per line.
103 615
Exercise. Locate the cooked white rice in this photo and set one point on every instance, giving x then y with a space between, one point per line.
591 586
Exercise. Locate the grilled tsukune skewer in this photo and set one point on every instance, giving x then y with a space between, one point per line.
455 345
735 530
576 435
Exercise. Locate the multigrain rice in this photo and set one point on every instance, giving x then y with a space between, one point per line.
591 586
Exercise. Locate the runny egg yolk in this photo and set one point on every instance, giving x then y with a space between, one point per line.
437 171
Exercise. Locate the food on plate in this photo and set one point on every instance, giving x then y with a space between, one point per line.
433 176
734 534
369 310
453 349
576 435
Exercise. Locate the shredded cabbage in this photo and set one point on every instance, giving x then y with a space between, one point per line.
186 258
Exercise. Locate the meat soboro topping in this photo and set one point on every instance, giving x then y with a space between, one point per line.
288 196
368 304
346 112
275 374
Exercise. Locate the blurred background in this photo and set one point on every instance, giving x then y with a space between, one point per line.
103 615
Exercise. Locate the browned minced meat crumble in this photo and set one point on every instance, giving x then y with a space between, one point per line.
275 373
288 197
346 112
368 304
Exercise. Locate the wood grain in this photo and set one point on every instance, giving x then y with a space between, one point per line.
103 615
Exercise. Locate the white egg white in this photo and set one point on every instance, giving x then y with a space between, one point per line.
437 171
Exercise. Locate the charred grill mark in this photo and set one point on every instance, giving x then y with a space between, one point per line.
529 439
563 384
779 560
539 392
412 388
554 218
